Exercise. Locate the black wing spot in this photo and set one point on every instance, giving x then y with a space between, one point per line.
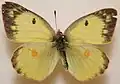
33 21
86 22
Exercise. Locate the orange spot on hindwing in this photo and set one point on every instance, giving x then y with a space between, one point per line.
87 53
34 52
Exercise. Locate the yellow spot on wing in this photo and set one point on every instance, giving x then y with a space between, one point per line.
105 31
13 28
87 53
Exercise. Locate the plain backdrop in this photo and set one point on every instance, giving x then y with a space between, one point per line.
67 12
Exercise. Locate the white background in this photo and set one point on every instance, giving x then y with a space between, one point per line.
67 12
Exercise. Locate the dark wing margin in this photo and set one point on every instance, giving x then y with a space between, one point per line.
9 19
108 16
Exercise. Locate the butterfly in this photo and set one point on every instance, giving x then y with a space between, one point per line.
42 47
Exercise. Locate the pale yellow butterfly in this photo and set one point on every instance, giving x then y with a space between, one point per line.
42 48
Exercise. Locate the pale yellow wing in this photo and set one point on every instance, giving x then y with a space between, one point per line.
35 61
86 62
95 28
22 25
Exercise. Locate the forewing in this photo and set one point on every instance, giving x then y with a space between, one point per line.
86 62
22 25
95 28
35 61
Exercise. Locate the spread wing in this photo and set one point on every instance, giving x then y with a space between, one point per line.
95 28
35 61
86 62
22 25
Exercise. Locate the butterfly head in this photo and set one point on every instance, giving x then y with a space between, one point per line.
59 33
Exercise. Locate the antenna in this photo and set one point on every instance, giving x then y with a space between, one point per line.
55 19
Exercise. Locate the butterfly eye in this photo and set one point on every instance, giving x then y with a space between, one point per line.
86 22
33 21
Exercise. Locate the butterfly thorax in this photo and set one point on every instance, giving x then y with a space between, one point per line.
60 41
61 44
